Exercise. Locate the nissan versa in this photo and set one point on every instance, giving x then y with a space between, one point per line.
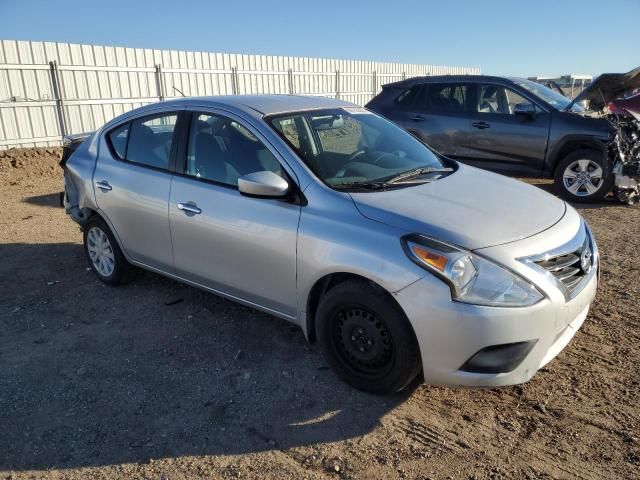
396 260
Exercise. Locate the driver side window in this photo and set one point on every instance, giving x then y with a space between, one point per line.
498 99
221 150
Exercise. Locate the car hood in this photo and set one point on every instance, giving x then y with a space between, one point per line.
471 208
607 87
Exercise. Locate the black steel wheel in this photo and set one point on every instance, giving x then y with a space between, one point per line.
366 338
362 341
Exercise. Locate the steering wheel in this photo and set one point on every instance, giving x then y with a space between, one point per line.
341 173
379 158
355 155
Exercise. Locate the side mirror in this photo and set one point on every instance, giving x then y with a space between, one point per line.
263 184
527 109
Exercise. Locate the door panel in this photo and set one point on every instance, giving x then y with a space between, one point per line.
502 140
239 245
242 246
136 198
439 117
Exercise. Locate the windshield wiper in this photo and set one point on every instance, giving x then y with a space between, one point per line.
363 185
416 172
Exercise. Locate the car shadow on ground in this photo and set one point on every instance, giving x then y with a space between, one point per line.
48 200
93 375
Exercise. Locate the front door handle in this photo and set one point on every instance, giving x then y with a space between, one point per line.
189 207
417 118
104 185
480 125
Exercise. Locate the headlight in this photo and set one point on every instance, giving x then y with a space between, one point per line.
472 279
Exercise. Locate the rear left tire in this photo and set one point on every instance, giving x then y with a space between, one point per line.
104 255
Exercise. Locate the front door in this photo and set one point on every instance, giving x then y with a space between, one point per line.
241 246
502 140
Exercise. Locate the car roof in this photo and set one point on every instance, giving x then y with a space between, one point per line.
409 82
261 104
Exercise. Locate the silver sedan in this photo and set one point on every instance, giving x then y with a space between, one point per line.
396 260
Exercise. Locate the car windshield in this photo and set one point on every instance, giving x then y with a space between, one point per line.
354 148
552 97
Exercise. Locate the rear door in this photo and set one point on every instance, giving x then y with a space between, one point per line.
502 140
237 245
132 182
439 115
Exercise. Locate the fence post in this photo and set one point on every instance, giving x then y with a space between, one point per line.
55 86
234 80
374 84
404 75
290 78
159 82
337 84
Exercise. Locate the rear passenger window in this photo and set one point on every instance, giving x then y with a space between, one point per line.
446 98
146 141
150 140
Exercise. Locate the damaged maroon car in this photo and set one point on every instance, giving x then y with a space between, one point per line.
616 97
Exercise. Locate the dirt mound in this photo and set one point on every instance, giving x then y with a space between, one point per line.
18 165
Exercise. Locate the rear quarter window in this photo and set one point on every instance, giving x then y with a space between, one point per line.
408 97
118 140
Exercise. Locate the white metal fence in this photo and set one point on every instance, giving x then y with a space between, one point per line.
50 89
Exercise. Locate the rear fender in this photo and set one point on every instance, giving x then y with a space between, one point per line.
79 163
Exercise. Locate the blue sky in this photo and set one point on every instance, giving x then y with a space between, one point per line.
502 37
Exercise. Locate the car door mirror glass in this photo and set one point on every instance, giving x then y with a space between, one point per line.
263 184
525 109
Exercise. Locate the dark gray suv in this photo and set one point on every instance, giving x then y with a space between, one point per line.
508 125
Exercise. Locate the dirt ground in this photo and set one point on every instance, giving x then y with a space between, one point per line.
159 380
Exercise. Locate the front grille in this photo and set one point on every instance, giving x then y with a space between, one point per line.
570 268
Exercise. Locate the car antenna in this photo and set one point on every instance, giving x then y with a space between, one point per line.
177 90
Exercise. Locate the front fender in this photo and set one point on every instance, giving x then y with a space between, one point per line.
334 237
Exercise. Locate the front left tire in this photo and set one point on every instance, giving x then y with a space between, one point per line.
583 176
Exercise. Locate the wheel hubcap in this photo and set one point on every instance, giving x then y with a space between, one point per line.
583 177
363 341
100 251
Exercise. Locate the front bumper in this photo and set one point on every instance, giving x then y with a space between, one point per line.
450 333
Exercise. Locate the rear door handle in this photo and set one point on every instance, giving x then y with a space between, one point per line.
480 125
189 207
104 185
417 118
